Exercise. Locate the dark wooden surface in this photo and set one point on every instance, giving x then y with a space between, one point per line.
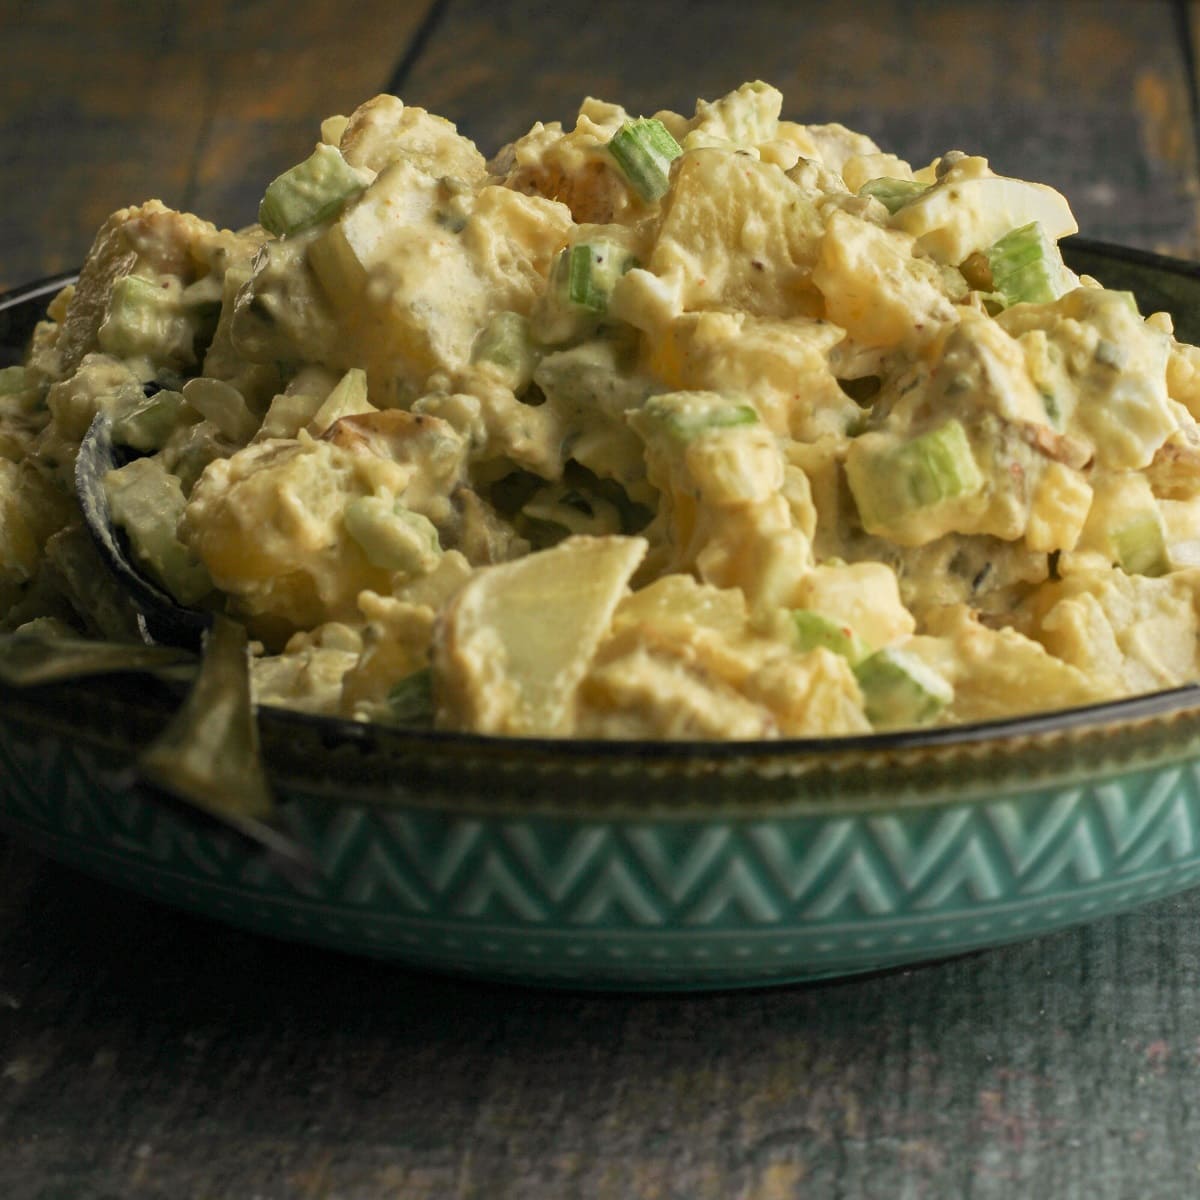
145 1054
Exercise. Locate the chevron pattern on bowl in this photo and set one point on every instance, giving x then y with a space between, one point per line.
668 899
634 864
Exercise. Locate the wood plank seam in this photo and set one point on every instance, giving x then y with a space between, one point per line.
208 116
1186 27
416 46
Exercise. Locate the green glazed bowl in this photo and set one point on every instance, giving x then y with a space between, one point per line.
641 865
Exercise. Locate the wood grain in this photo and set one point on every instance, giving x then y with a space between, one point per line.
112 102
149 1055
1091 96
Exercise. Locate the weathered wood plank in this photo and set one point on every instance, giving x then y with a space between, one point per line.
1089 95
150 1055
280 70
112 102
202 106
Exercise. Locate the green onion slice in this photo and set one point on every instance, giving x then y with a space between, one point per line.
644 150
893 194
1027 267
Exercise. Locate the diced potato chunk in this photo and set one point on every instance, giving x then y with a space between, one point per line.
760 357
516 640
865 596
269 524
1129 633
739 233
1059 509
875 288
151 240
747 117
999 672
684 660
424 265
385 130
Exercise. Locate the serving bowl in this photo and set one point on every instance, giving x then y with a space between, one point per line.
639 865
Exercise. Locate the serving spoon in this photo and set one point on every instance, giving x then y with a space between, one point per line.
163 620
208 755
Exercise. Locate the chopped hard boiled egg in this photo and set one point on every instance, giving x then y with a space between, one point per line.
708 425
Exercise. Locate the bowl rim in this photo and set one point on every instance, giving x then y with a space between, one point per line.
1135 710
1139 709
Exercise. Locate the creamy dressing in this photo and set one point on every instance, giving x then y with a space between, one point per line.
762 447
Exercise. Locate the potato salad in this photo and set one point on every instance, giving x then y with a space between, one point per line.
705 426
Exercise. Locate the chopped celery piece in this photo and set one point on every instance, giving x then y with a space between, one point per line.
644 150
410 701
893 194
1141 545
581 281
147 317
148 426
507 343
813 629
310 192
223 405
685 415
899 689
147 501
589 271
393 537
1027 267
915 474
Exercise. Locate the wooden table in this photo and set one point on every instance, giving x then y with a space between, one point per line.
146 1054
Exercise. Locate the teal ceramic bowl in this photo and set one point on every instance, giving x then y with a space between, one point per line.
641 865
